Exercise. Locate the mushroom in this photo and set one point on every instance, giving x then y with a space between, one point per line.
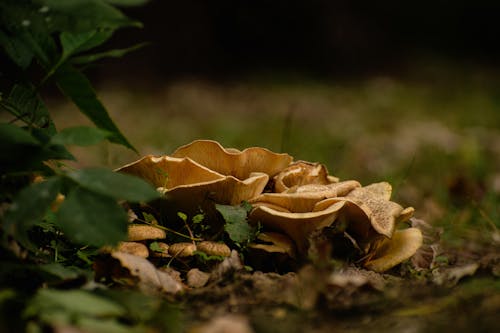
370 205
181 250
214 248
390 252
139 232
185 181
134 248
274 242
301 199
231 161
302 173
205 170
298 226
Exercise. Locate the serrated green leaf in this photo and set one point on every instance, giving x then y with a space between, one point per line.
89 218
78 88
26 104
80 136
236 226
117 53
113 184
29 207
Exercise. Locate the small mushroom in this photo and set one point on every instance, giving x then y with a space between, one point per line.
140 232
182 250
214 248
391 252
134 248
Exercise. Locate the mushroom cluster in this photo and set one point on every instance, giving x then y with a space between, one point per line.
290 200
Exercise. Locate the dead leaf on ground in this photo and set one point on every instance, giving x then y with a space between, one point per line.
137 270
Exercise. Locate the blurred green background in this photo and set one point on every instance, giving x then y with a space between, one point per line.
385 92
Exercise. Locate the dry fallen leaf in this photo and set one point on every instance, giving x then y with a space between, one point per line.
140 271
196 278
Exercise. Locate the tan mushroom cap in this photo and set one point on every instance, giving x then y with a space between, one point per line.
391 252
232 162
134 248
184 180
302 173
371 203
214 248
301 199
298 226
274 242
139 232
182 249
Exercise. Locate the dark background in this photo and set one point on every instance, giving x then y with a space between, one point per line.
319 38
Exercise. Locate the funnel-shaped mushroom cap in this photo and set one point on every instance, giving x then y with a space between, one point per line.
232 162
186 181
391 252
301 199
302 173
298 226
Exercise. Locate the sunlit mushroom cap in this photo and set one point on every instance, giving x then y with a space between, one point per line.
302 173
391 252
298 226
185 180
232 162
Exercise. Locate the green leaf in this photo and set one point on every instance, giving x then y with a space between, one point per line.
117 53
113 184
78 88
80 136
17 50
26 29
92 219
13 134
84 15
22 151
74 303
30 206
236 226
26 104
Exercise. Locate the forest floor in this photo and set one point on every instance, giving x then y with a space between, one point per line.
436 140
